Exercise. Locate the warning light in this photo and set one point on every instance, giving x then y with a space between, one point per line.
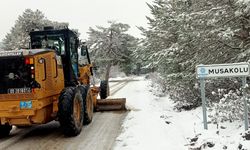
29 61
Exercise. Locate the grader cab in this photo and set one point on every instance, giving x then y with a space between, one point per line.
49 82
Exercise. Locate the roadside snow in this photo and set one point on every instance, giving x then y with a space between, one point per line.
153 124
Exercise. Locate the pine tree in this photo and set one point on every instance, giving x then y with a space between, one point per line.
112 46
185 33
1 45
28 21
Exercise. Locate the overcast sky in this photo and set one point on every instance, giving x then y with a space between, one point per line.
80 14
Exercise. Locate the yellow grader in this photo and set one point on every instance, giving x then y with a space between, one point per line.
49 82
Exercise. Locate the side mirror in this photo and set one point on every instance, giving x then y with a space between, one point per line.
84 50
95 68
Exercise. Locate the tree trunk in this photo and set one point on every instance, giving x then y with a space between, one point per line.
108 71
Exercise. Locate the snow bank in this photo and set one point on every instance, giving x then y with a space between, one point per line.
152 124
145 126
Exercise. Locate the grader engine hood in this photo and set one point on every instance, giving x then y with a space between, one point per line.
17 71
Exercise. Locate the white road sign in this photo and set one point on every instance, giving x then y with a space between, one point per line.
223 70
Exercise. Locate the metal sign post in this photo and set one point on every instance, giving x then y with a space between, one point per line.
223 70
204 109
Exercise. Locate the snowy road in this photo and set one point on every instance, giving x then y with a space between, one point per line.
99 135
150 124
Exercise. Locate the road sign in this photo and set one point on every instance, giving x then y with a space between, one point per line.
223 70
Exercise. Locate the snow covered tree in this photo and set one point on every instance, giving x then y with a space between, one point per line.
185 33
1 45
28 21
112 46
229 108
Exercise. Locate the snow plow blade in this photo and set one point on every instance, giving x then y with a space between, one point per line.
111 104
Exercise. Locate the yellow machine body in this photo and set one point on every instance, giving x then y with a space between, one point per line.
43 101
100 104
52 83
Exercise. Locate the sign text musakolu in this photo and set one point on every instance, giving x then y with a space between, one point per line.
227 70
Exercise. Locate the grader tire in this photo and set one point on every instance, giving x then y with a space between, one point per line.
70 111
87 104
104 89
5 130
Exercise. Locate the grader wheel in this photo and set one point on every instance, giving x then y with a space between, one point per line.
5 130
88 105
70 111
104 89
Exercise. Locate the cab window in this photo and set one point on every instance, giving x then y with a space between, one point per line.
55 42
74 55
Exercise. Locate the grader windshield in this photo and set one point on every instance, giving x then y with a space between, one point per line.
56 42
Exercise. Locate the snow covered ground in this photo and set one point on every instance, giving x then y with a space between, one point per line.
153 124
